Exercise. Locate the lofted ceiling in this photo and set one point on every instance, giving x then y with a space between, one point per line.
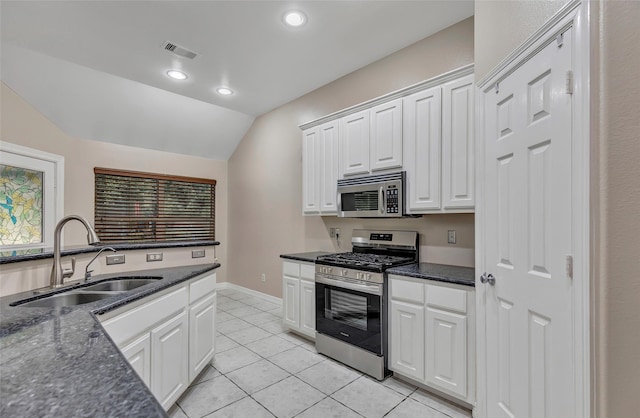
98 70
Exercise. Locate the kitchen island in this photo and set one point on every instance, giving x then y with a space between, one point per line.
61 362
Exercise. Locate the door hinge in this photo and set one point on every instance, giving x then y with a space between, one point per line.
569 86
560 39
497 88
569 266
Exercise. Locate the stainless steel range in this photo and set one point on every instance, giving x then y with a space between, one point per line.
351 298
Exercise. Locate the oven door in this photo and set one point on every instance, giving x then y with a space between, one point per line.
350 311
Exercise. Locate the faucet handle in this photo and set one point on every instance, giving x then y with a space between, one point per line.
69 272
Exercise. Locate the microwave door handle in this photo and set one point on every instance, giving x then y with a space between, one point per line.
382 204
339 203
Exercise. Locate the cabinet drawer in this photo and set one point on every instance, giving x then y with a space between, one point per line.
291 269
308 271
406 290
445 297
130 324
202 287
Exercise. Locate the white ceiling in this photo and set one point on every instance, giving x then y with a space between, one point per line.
97 69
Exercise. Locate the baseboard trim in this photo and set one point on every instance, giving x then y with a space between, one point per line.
227 285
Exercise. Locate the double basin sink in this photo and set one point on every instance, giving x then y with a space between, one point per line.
87 294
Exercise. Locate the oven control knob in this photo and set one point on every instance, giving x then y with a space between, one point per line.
367 276
329 269
344 272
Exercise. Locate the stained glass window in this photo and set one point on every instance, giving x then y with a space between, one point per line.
21 205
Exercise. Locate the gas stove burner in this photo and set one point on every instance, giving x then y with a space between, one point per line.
372 261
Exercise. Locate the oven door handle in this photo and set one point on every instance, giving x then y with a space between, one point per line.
373 289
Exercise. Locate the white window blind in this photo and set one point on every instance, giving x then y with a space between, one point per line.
145 207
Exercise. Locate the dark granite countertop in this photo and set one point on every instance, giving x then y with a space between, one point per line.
60 362
438 272
39 254
310 256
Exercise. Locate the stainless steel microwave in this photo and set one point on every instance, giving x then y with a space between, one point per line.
380 196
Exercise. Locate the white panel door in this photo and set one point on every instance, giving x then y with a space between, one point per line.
386 135
310 172
446 351
201 335
169 359
407 351
329 158
527 212
138 354
308 307
291 301
354 144
458 176
422 138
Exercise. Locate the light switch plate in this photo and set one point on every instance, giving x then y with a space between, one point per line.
154 257
197 253
115 259
451 236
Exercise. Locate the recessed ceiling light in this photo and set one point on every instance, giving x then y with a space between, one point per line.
294 18
177 75
225 91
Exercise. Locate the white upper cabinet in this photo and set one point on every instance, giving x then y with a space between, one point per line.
320 169
329 167
354 144
310 172
458 156
422 138
426 130
386 136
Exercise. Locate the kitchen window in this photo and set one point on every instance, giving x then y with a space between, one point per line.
31 198
145 207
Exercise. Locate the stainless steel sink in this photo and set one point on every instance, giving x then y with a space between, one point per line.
65 299
121 284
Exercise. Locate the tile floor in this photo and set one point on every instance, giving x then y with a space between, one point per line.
260 370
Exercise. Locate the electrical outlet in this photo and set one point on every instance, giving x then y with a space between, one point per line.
332 232
154 257
115 259
451 236
263 277
197 253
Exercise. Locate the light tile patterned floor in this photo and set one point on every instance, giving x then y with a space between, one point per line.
260 370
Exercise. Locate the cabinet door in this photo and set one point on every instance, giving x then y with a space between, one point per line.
310 172
354 144
386 135
291 301
446 351
422 138
138 354
201 335
458 144
308 307
169 359
407 339
329 167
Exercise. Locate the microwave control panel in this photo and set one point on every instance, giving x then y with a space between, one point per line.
392 199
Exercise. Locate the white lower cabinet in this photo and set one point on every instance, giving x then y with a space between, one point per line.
138 354
168 337
202 335
169 359
299 297
432 335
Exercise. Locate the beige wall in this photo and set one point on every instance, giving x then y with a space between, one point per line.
501 26
23 125
615 188
265 172
617 145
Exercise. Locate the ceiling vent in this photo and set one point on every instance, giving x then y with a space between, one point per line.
178 50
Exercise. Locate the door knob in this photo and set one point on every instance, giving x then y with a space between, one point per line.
488 278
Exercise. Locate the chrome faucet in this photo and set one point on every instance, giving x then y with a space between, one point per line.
58 273
87 272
